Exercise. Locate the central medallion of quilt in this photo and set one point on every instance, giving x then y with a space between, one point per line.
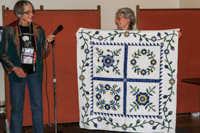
127 80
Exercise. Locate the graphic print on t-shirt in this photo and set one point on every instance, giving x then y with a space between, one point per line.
27 41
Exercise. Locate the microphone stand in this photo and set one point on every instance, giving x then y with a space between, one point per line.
54 83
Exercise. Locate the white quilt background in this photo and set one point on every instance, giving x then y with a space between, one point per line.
127 80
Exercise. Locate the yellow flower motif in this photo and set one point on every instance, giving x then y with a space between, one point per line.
134 52
171 81
151 122
111 93
143 72
116 85
117 97
120 89
107 50
95 87
144 100
108 71
119 106
166 51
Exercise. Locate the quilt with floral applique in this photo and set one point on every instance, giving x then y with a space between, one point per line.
127 80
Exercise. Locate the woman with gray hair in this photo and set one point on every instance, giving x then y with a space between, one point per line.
22 50
125 19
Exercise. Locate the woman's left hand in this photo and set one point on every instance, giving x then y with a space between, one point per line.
50 38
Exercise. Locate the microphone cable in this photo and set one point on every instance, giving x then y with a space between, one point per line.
47 92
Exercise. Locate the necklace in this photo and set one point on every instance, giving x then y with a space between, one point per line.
20 32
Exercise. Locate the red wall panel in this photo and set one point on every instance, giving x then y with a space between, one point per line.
188 21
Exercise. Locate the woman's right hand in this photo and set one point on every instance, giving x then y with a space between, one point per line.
19 72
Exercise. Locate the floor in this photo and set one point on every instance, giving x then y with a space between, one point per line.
186 123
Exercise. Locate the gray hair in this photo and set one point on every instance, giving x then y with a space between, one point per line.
19 7
127 13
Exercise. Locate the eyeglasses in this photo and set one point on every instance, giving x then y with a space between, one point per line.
29 12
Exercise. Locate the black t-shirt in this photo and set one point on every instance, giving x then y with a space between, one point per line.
27 48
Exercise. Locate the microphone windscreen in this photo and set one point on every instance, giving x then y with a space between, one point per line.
60 27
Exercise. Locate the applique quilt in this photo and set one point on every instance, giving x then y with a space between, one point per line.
127 80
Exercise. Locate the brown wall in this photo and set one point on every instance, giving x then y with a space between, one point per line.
188 21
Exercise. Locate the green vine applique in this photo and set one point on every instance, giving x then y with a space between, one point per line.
114 34
151 58
167 97
142 98
83 37
108 61
118 34
85 63
138 124
102 103
126 34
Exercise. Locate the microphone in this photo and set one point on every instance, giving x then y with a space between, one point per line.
60 27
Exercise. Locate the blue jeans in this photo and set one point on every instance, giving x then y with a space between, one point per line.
17 92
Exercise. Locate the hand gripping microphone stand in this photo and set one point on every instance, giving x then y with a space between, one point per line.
54 79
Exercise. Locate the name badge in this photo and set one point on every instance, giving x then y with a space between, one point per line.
28 55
